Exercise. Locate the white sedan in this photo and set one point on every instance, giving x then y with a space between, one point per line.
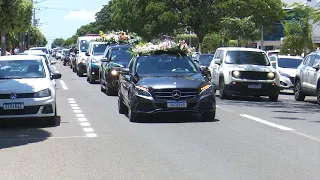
27 89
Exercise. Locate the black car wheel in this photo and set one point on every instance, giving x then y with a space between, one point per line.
122 108
298 94
133 117
222 91
274 97
318 95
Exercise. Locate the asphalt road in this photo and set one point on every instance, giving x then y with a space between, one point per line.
250 140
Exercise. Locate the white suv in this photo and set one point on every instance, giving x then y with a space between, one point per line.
244 71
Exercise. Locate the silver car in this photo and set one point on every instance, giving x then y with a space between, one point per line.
287 67
244 71
307 80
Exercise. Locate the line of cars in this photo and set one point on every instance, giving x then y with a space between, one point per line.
148 84
28 87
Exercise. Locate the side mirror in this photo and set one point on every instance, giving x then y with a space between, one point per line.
217 61
56 76
204 69
87 54
53 62
274 65
104 59
125 71
316 66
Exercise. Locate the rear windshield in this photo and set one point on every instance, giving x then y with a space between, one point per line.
205 59
247 57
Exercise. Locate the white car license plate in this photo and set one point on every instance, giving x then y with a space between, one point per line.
11 106
176 104
254 86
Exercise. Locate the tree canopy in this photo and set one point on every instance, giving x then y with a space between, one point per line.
151 19
58 42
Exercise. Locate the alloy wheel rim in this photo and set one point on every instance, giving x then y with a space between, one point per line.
297 89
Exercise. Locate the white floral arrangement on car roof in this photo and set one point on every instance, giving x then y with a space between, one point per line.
163 47
119 37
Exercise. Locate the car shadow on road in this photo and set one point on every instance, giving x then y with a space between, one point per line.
175 118
17 132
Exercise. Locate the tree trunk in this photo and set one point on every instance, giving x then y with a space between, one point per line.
3 42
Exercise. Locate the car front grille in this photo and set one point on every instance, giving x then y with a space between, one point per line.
253 75
19 96
26 111
166 94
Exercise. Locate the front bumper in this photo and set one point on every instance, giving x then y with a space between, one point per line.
286 82
33 108
94 73
199 104
242 88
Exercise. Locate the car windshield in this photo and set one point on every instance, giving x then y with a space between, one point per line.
165 64
41 49
98 49
120 55
17 69
292 63
59 51
247 57
66 52
205 59
84 44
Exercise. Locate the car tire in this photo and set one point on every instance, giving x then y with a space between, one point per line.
122 108
298 94
274 97
318 95
79 74
64 64
222 91
208 116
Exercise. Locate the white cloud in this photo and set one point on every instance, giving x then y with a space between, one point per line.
82 15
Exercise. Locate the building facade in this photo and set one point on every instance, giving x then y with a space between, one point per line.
272 40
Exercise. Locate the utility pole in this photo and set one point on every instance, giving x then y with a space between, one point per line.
29 33
262 40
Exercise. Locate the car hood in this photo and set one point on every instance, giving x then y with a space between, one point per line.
249 67
291 72
160 82
23 85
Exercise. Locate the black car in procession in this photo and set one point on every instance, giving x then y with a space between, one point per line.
115 57
164 83
204 60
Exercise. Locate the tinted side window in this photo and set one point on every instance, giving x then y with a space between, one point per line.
217 54
130 65
316 60
310 60
221 56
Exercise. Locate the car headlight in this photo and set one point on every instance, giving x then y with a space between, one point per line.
142 91
83 61
284 74
207 89
271 75
236 74
114 72
42 93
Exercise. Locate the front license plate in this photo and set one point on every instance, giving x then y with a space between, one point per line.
176 104
11 106
254 86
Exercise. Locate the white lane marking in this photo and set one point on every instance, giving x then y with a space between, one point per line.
85 124
266 122
80 115
88 130
91 135
63 84
82 119
77 111
307 136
